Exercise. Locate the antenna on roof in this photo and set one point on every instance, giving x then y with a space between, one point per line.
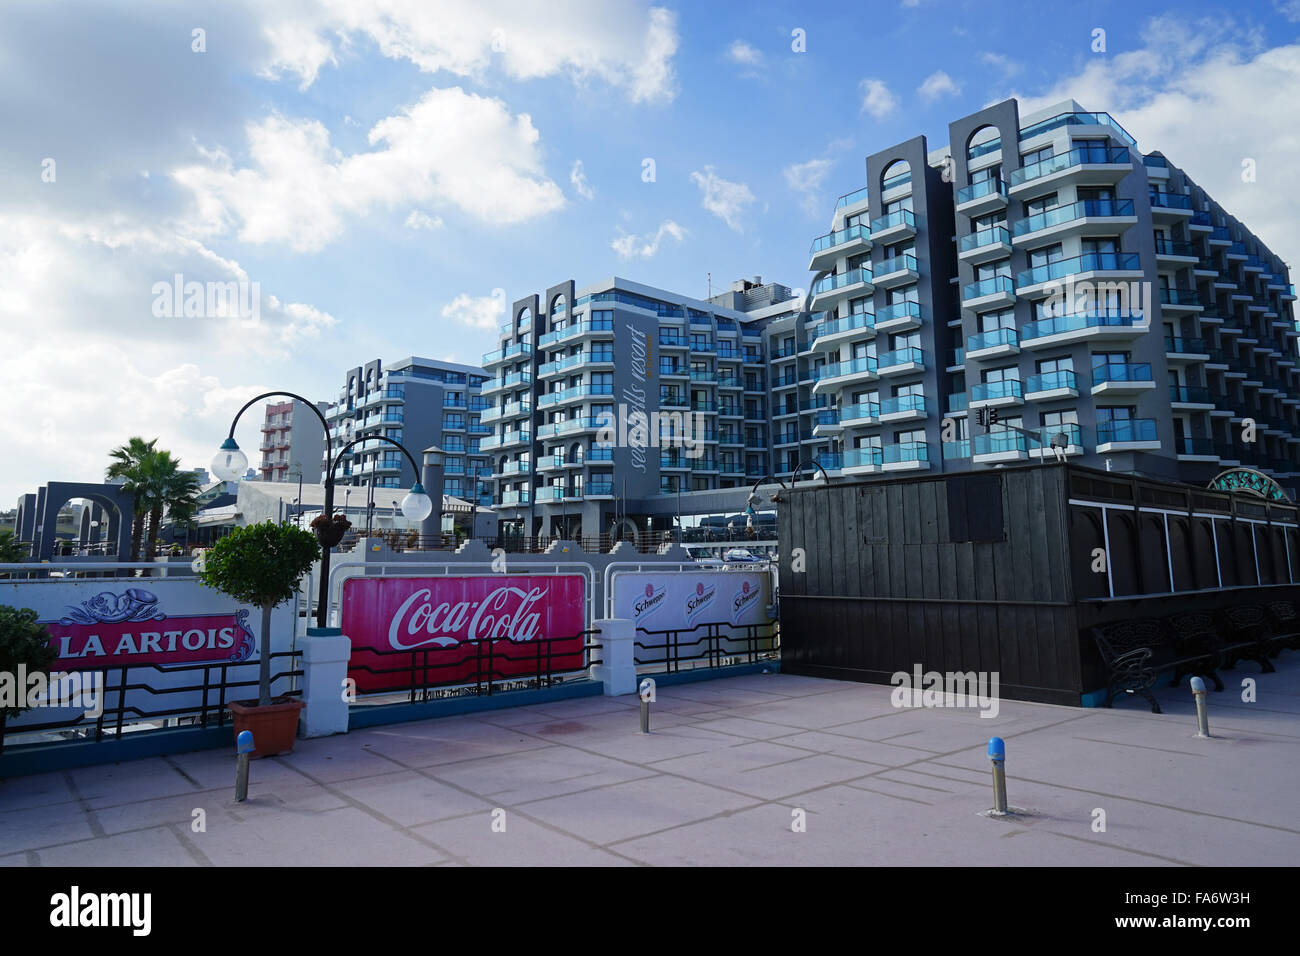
710 275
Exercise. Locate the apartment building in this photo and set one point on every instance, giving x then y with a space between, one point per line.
1042 287
418 402
572 361
293 441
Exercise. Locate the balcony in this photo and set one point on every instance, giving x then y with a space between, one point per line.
1180 300
997 394
899 317
982 197
1068 437
1079 268
900 270
1197 449
988 293
856 198
862 413
1082 327
1190 398
599 488
1175 252
507 353
991 344
984 245
518 437
834 331
1082 165
1183 350
894 226
862 461
998 446
514 380
826 249
903 408
1051 386
601 327
1170 205
1087 217
571 426
838 374
574 394
1130 434
905 456
513 499
1122 378
826 422
832 290
900 362
558 366
673 340
511 468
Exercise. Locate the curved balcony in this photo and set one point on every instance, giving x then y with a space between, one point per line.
1090 265
832 290
988 293
581 360
982 197
828 249
1082 327
574 394
506 354
833 332
985 245
1086 217
893 226
838 374
899 317
571 426
578 330
895 271
826 422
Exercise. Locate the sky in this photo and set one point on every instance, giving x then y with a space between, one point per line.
387 175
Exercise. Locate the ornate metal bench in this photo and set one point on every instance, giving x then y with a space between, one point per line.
1286 625
1249 634
1136 651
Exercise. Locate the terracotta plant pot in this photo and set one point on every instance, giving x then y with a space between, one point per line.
274 726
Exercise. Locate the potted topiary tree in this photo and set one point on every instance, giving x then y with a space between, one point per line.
261 565
24 643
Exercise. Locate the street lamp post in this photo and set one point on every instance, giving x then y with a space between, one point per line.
230 463
432 477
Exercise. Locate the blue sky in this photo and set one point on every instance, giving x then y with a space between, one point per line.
380 168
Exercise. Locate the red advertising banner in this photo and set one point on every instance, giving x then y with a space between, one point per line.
130 628
436 631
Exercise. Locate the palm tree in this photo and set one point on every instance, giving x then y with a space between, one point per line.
11 549
166 488
128 464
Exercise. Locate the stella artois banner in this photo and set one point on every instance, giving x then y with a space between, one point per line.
454 625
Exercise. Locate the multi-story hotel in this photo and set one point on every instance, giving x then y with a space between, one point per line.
577 366
1041 288
419 402
292 442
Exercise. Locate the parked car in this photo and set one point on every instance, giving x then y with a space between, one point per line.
741 556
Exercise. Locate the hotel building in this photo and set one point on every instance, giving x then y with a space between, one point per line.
292 443
419 402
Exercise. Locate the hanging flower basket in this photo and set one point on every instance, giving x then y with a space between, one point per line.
330 529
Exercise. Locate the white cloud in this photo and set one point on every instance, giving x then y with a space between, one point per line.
998 61
1289 9
620 43
450 147
422 220
479 312
744 54
646 247
937 84
578 178
726 200
876 98
807 179
1207 94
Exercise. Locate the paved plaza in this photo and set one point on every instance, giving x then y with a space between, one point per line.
718 781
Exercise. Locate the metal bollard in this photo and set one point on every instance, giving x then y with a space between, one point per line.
998 754
243 747
1202 714
647 693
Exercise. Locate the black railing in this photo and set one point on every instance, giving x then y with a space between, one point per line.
115 721
718 645
534 663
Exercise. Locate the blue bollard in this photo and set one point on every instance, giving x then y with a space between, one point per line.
243 747
998 756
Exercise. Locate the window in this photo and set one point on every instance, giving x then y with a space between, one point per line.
993 321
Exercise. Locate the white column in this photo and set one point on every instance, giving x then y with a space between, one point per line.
325 654
617 667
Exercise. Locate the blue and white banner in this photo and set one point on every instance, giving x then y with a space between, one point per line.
682 600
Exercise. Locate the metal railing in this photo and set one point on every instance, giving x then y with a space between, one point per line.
705 645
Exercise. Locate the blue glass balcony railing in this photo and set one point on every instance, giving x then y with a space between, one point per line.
858 320
901 217
1171 201
863 457
999 442
1077 119
987 391
1071 212
1121 372
997 235
900 357
991 339
1088 262
987 187
848 199
851 277
1078 156
903 452
1049 381
956 449
958 402
1180 297
861 411
838 238
898 310
1075 323
866 364
1191 394
903 403
991 286
1126 429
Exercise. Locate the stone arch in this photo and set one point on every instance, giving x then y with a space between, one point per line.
118 505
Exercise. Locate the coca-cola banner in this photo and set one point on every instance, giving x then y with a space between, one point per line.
434 631
683 600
